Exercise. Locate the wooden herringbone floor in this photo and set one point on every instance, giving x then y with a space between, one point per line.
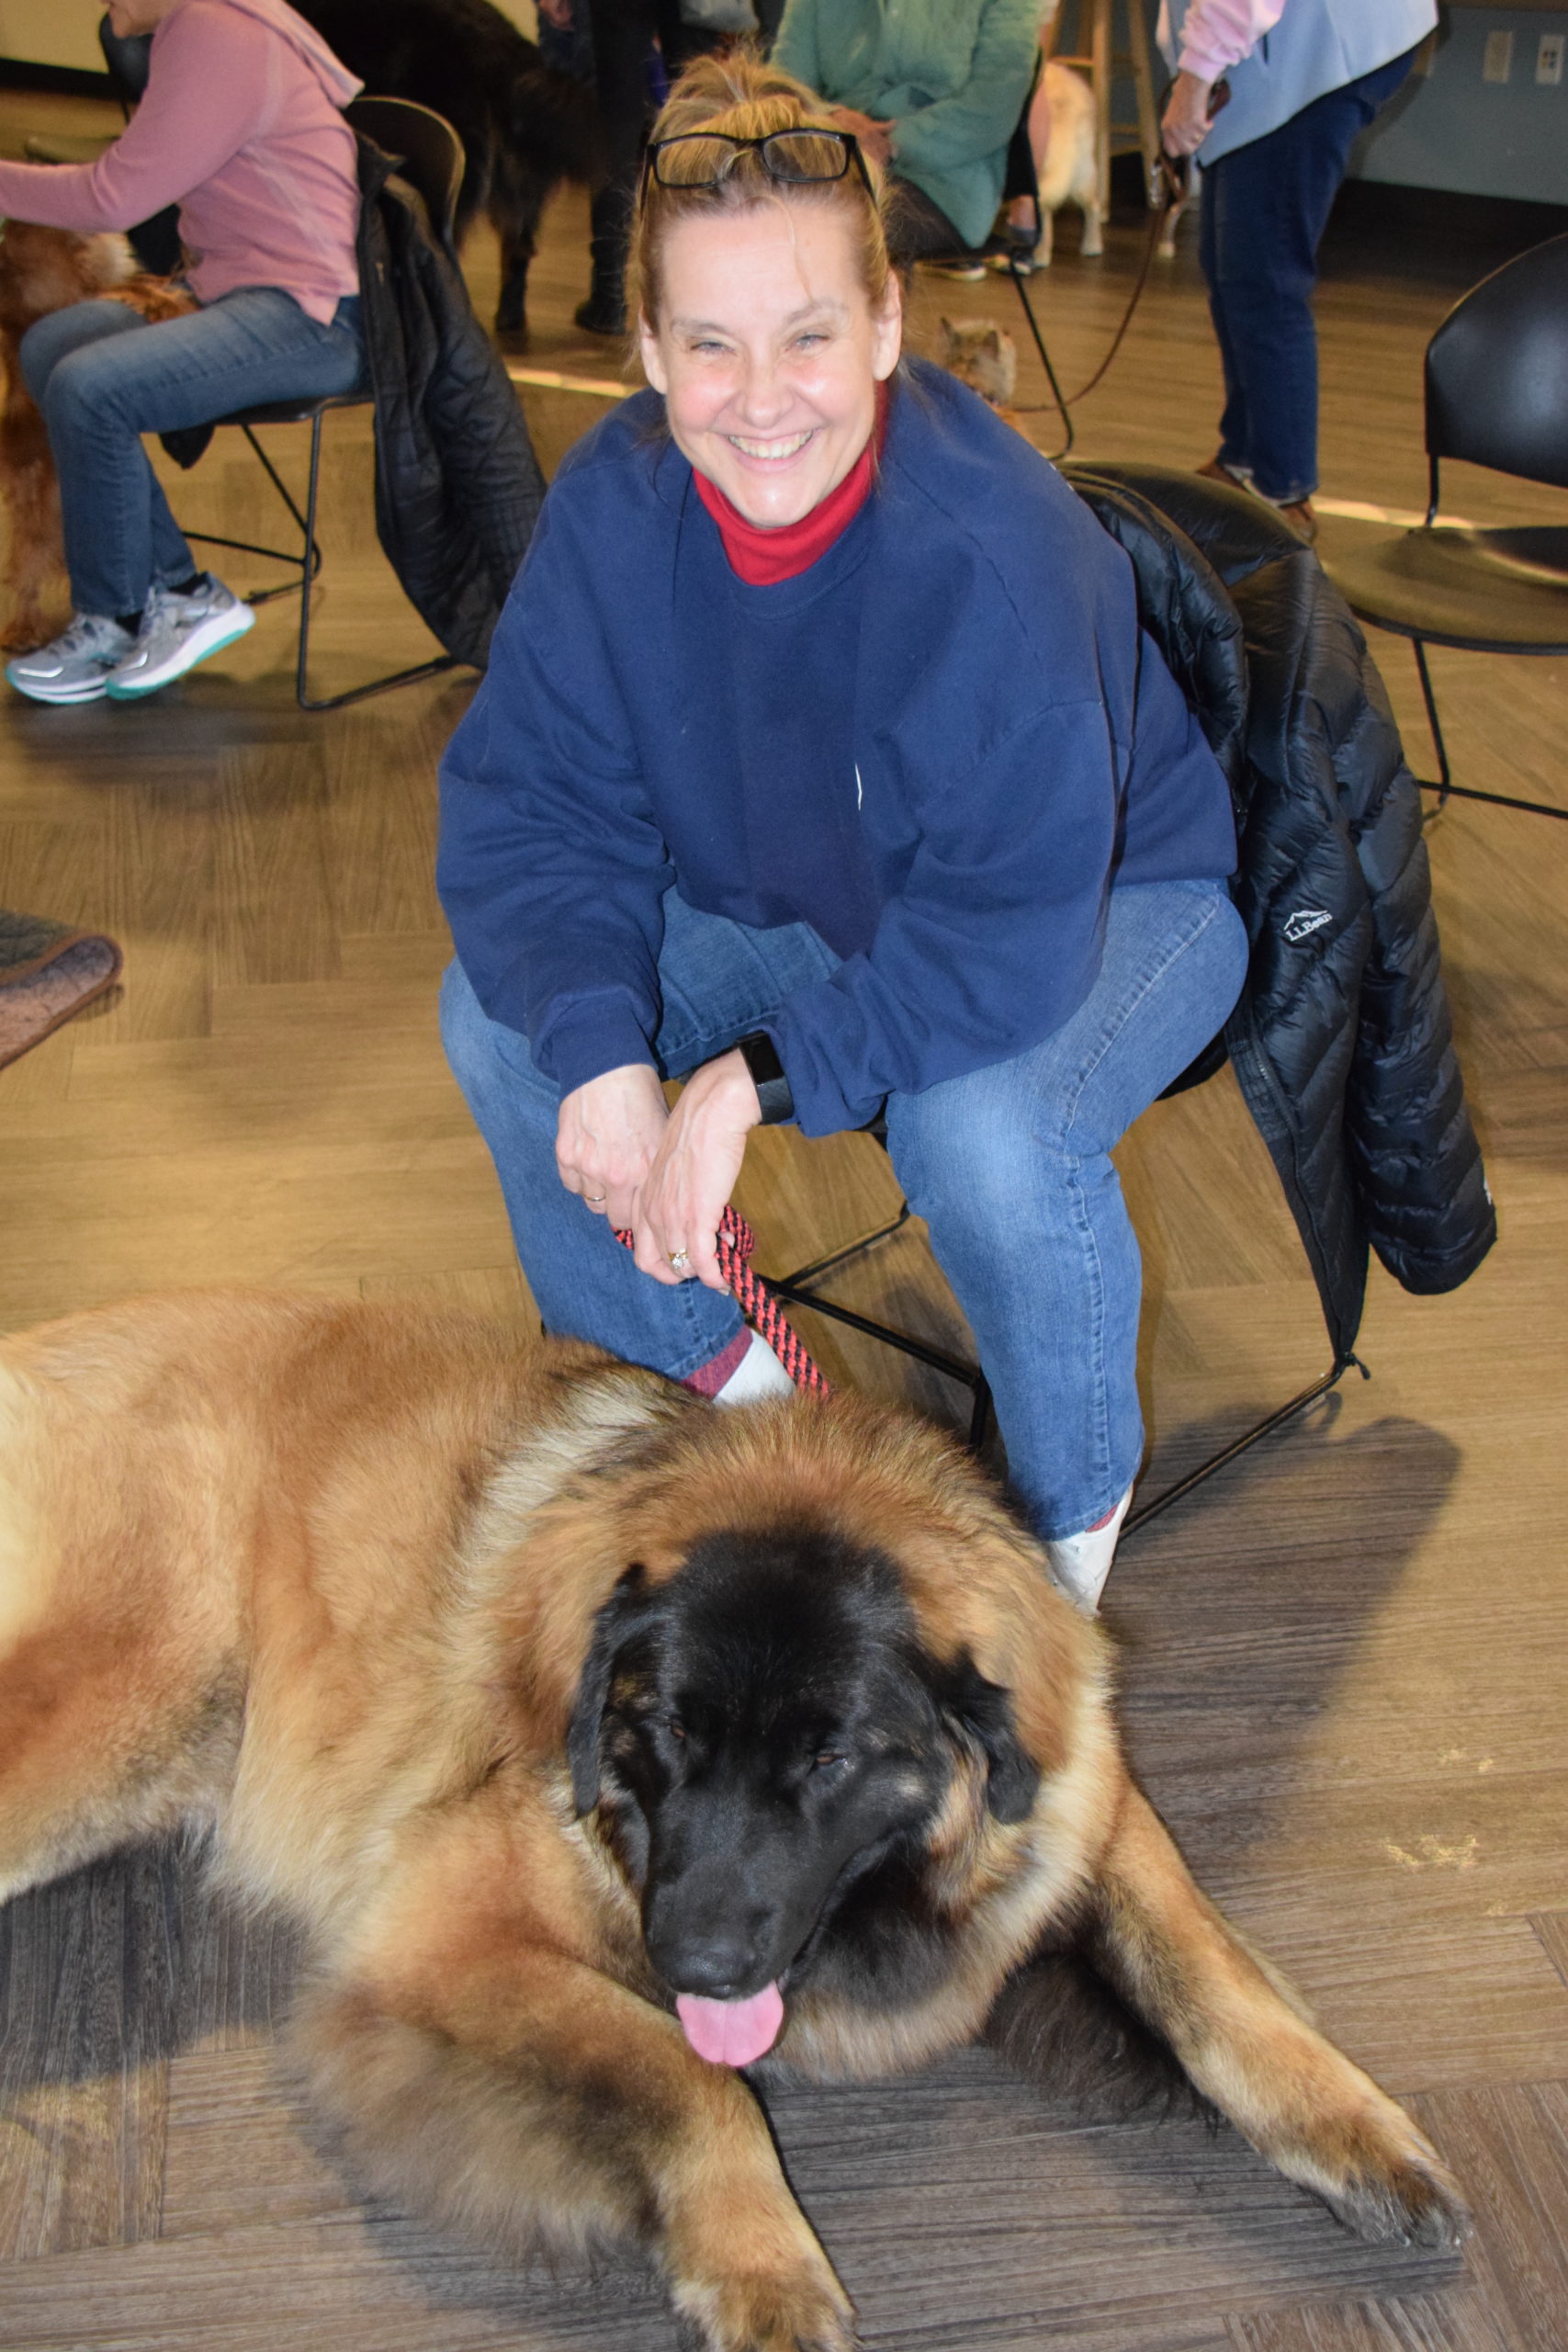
1344 1667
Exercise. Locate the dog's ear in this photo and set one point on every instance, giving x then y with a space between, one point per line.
594 1688
985 1710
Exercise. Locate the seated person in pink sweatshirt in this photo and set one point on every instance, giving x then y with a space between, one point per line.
242 126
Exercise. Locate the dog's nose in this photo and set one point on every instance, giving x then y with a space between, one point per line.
723 1968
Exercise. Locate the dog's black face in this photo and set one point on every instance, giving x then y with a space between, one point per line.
770 1744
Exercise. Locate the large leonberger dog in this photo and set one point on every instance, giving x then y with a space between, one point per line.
606 1743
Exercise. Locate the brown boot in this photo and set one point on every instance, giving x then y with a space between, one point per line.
1298 513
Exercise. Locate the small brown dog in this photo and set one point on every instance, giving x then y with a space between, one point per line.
43 270
983 356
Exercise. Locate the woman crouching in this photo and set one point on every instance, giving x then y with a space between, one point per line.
822 764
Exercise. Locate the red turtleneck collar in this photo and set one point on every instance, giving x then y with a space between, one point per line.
762 557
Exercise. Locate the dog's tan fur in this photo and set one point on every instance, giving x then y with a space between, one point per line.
323 1576
43 270
985 357
1064 124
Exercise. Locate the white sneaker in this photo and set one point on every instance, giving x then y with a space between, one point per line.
758 1374
77 665
1080 1564
965 273
176 633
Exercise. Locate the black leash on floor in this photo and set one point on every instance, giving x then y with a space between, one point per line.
1170 184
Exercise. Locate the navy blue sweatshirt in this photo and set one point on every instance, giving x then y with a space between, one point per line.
941 746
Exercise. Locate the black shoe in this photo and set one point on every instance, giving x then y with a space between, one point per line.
604 312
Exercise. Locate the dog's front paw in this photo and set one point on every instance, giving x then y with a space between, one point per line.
804 2311
1391 2185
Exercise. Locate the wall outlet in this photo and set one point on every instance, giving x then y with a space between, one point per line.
1549 58
1498 58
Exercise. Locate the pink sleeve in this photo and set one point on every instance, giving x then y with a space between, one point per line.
207 95
1218 33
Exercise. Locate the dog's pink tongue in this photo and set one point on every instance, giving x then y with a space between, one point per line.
732 2033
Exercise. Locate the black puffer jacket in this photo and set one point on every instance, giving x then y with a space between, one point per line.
458 486
1341 1042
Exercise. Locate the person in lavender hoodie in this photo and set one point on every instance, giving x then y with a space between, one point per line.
242 126
1305 78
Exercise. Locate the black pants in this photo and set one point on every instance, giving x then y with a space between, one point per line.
623 34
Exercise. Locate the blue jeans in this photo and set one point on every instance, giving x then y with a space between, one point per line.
1265 209
102 376
1010 1168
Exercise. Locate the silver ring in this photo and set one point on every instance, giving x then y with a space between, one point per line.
594 1199
680 1260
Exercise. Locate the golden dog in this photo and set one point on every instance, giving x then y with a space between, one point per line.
605 1742
43 270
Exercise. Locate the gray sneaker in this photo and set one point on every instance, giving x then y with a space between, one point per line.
76 666
176 633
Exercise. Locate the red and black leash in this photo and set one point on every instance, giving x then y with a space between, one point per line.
735 1243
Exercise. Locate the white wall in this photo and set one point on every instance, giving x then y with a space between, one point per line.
1453 129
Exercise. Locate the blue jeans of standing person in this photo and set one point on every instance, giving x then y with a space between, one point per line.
1265 209
102 376
1009 1167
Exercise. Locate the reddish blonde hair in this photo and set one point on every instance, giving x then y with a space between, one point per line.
742 98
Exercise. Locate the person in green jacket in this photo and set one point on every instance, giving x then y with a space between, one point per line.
932 89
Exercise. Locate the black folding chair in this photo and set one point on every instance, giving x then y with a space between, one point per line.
800 1288
1496 387
429 156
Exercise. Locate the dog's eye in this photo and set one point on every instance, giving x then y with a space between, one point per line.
676 1728
830 1760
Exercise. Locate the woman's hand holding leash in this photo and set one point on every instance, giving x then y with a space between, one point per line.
1189 109
683 1200
664 1176
607 1136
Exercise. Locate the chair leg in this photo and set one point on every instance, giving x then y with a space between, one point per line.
1444 778
301 667
797 1289
272 555
1227 1453
1446 788
307 565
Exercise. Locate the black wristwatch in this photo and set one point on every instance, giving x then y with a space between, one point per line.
768 1075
